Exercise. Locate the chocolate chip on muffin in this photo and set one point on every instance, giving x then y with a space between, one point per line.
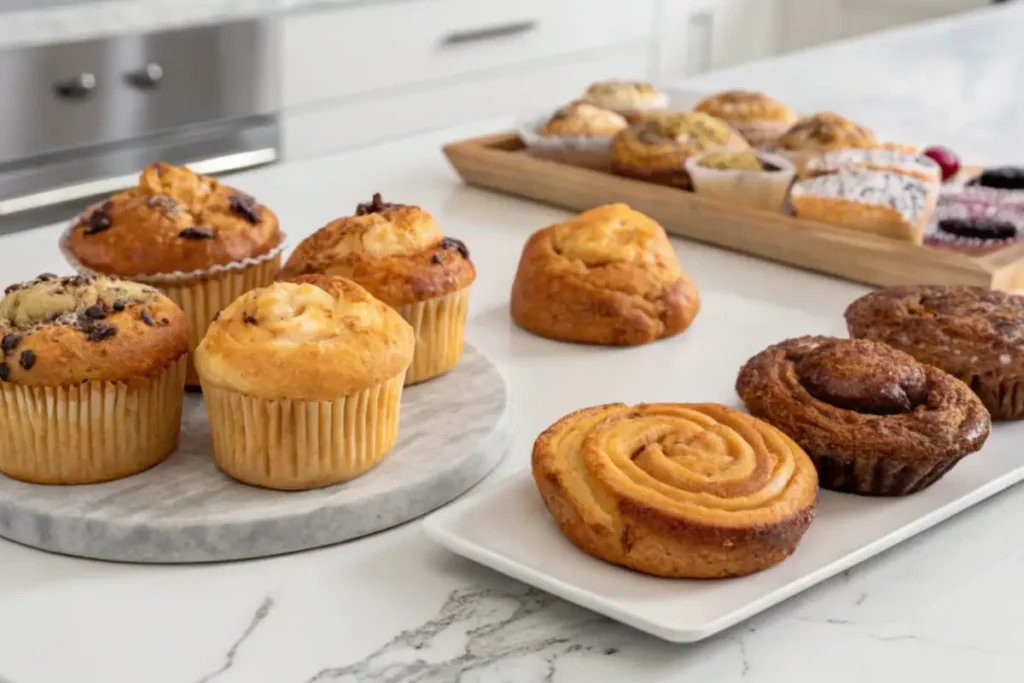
197 232
454 244
28 359
245 206
375 205
9 343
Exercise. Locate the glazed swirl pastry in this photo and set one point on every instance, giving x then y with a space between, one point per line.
656 148
676 490
874 420
607 276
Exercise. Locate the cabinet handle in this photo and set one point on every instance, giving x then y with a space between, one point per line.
80 87
489 33
148 77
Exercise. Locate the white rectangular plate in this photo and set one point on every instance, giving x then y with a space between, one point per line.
506 527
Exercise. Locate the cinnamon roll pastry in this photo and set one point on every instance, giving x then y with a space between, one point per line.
758 118
676 490
656 148
607 276
875 421
973 333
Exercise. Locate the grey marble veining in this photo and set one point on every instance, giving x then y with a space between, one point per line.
453 431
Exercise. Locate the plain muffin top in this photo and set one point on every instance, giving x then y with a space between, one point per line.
623 94
174 220
316 337
746 105
397 252
57 331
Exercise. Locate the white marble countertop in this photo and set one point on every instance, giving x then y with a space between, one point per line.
395 608
87 19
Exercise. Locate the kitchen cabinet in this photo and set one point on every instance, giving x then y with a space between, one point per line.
696 36
805 24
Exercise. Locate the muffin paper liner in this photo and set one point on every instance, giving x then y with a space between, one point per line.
591 151
296 445
1003 397
877 477
201 293
90 432
440 326
766 190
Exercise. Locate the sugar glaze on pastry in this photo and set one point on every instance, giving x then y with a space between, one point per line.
887 160
676 490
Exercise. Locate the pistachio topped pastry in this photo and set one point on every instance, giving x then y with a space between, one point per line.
728 160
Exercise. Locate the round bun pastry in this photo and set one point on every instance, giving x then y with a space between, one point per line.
399 254
824 132
608 276
676 490
92 375
303 382
975 334
626 97
579 133
875 421
657 148
202 243
759 118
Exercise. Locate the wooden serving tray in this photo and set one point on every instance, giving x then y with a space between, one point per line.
499 162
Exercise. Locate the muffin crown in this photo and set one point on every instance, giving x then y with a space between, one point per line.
746 105
615 234
397 252
315 337
963 329
625 94
827 130
583 119
57 331
174 220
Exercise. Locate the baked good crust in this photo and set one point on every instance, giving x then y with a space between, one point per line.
826 131
875 420
975 334
583 119
316 337
676 490
397 252
756 116
62 331
624 95
883 160
174 220
656 148
607 276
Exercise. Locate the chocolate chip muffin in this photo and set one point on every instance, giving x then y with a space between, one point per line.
303 382
201 242
874 420
91 379
975 334
399 254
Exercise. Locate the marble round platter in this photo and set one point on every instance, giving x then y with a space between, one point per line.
453 431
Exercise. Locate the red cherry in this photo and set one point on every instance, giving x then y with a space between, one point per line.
947 160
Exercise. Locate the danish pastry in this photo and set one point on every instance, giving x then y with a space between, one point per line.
874 420
607 276
676 490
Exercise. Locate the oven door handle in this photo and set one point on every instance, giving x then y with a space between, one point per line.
92 188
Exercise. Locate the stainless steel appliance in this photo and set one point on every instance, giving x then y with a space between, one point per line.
80 120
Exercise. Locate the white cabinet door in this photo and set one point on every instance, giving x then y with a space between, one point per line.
858 17
696 36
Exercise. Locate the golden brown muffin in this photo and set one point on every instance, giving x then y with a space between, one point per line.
607 276
886 204
303 382
91 379
975 334
875 421
676 490
583 119
824 132
399 254
176 222
759 118
656 149
626 97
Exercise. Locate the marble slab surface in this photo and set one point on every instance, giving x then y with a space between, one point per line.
453 431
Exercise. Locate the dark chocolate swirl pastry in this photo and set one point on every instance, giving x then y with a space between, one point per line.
974 334
875 421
